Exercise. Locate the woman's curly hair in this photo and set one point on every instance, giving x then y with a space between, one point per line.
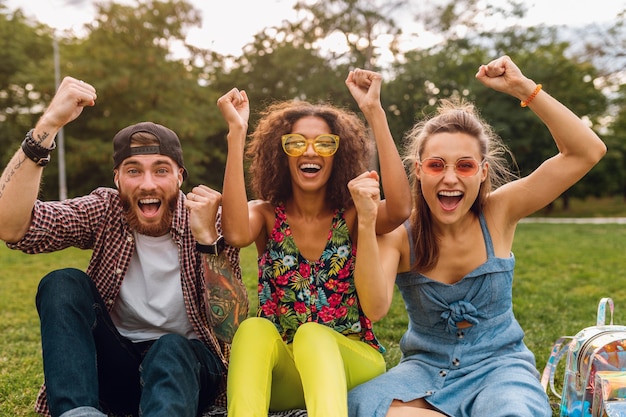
269 169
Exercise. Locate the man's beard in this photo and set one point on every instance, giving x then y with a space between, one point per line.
156 229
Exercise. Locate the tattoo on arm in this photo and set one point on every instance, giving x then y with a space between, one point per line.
10 173
226 294
42 137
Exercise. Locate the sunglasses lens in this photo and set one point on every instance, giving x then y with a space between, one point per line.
466 167
433 166
294 145
325 145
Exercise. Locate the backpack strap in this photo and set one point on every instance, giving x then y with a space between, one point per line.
601 320
558 350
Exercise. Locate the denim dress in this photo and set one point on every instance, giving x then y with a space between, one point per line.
484 370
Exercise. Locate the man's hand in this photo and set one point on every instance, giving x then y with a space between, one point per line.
71 98
21 179
203 204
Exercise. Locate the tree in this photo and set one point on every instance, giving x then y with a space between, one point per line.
362 23
127 55
614 163
425 77
26 77
136 56
605 44
278 67
448 70
571 81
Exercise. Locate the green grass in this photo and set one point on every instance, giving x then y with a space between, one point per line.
20 351
562 271
589 207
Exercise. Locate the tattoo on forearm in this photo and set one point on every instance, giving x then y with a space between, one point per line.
10 172
226 295
42 137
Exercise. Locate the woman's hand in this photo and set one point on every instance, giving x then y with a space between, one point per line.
365 87
365 192
235 108
503 75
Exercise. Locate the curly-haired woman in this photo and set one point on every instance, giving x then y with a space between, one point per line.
313 337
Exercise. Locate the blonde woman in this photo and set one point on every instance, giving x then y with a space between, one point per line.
463 353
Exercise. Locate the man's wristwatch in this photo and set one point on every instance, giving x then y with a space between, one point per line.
214 249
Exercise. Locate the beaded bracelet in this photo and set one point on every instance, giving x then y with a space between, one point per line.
36 145
35 151
530 98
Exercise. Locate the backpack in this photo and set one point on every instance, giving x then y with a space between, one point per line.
594 349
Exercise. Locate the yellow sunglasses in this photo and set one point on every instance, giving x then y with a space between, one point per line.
294 144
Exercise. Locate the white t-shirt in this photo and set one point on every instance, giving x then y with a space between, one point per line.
150 303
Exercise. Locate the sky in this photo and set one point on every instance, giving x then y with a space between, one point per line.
229 26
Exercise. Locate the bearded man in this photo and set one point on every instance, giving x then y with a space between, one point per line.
141 331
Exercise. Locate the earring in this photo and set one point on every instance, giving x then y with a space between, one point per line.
117 184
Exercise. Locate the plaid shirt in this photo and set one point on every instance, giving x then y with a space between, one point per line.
97 222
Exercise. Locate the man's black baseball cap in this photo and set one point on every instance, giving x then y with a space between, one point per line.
169 144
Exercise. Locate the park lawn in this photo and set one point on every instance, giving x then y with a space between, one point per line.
562 271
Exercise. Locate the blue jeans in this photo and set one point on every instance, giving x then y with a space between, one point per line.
88 364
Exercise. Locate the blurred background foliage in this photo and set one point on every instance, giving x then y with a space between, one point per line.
137 58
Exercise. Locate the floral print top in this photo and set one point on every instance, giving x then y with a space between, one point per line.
293 290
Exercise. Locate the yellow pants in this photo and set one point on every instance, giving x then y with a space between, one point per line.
314 372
